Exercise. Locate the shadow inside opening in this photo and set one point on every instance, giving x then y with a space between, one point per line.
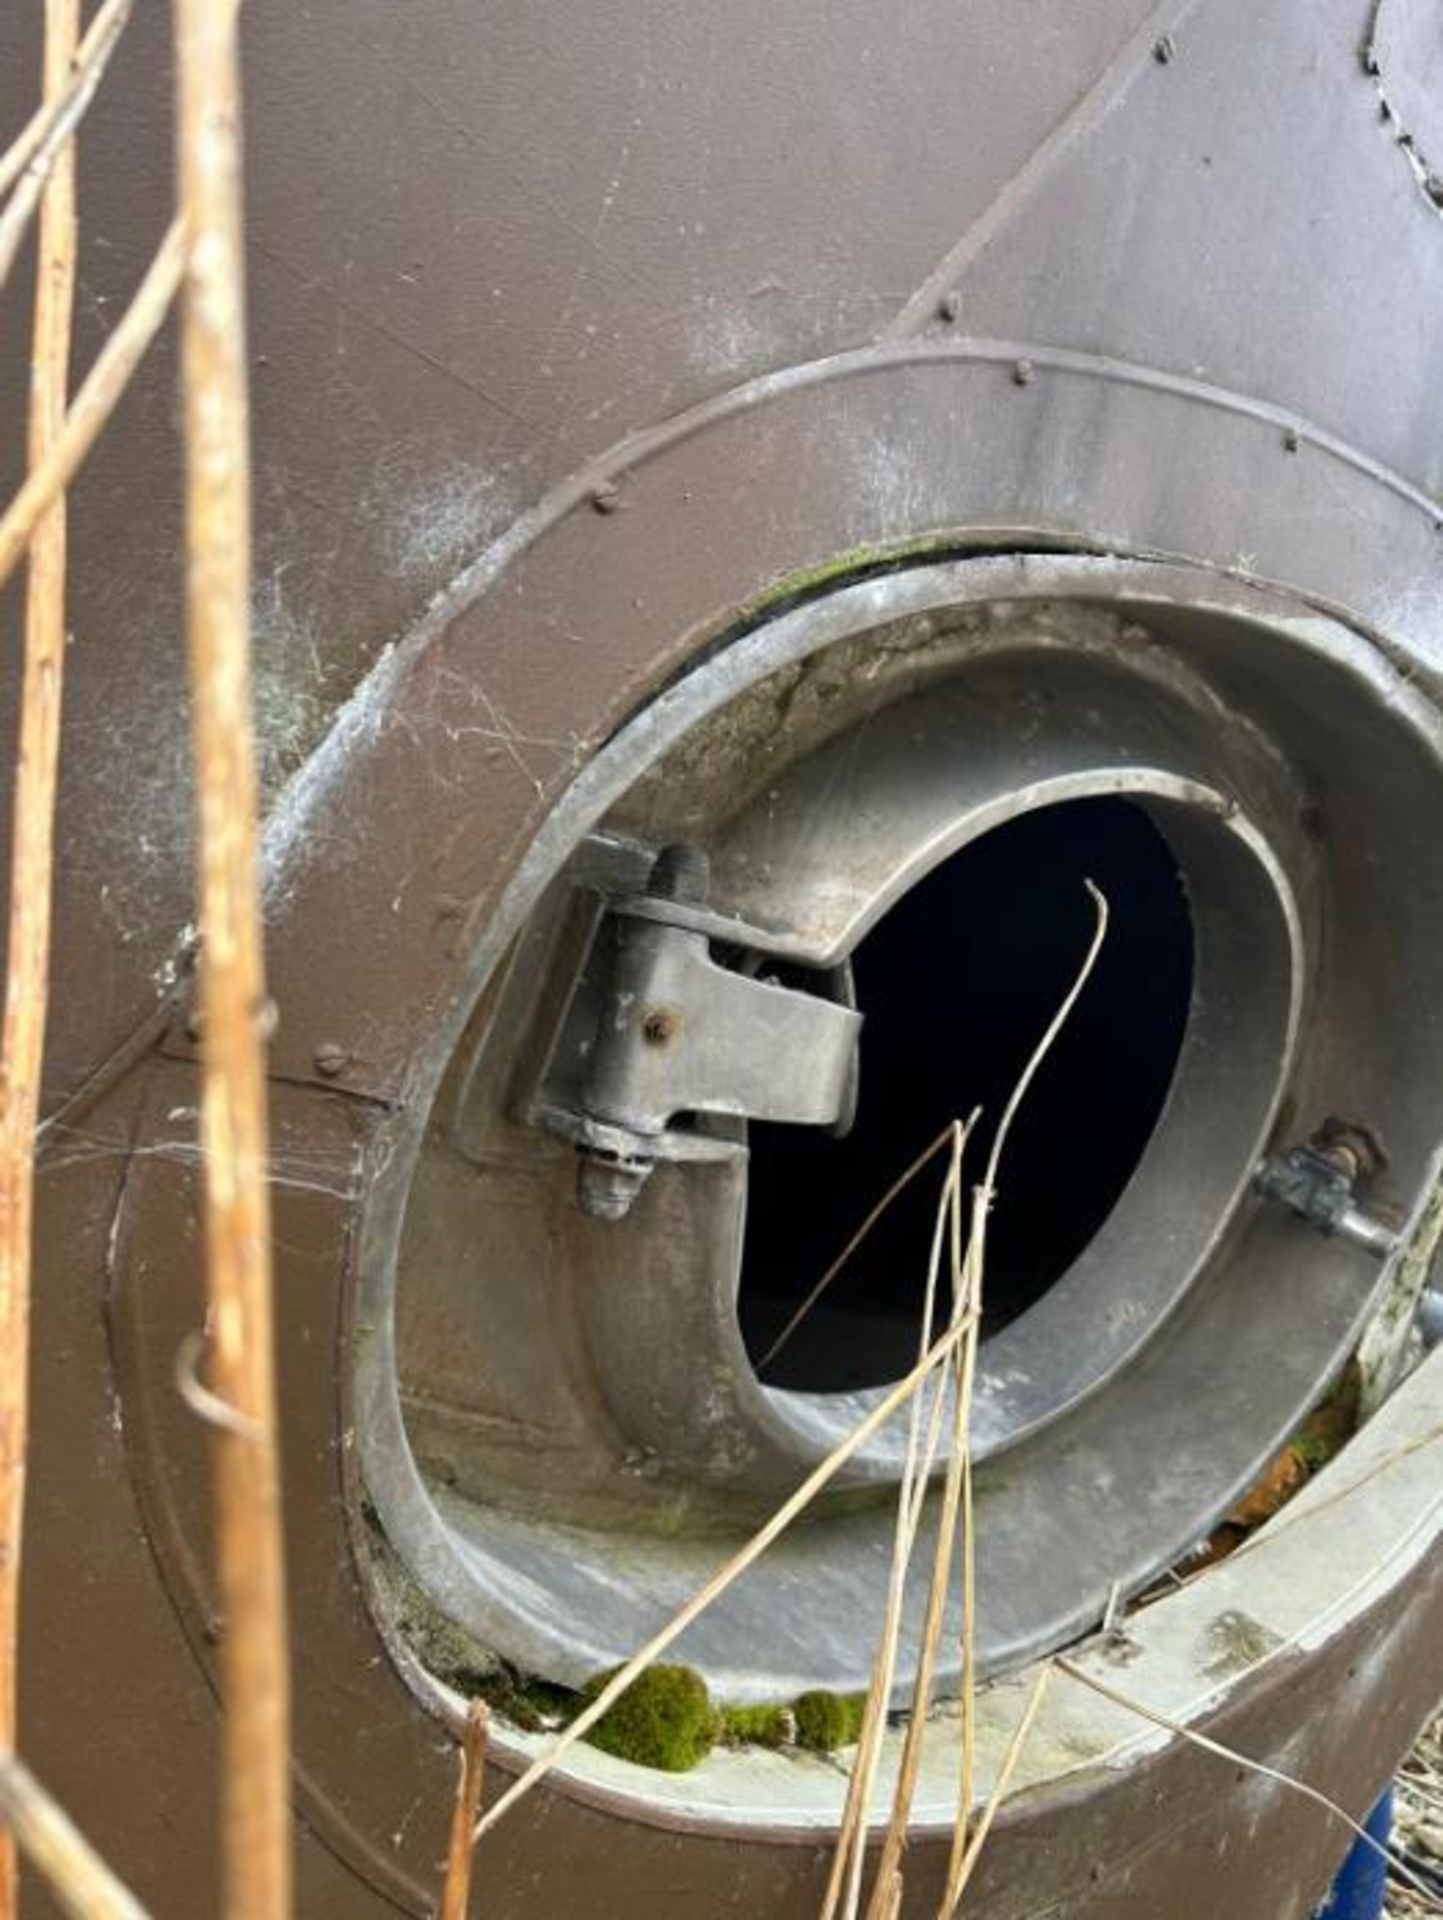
958 982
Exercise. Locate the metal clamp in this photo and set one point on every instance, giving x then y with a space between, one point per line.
658 1029
1319 1182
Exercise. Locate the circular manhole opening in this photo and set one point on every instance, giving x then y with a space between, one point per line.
957 982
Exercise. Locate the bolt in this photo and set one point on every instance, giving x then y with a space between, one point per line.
1351 1146
1024 373
949 307
1164 51
330 1058
606 1188
605 496
681 873
660 1026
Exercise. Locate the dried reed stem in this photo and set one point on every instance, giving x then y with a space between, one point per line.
844 1885
1000 1785
34 153
743 1558
898 1186
22 1042
242 1362
966 1284
96 401
456 1894
982 1204
74 1872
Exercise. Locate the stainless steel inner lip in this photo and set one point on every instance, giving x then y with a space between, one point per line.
581 1431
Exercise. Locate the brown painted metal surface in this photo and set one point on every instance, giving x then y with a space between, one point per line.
767 273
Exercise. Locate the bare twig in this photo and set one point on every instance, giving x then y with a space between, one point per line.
96 401
745 1557
1260 1767
71 1868
22 1044
33 155
238 1265
456 1894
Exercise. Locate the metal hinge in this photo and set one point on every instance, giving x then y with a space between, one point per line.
673 1018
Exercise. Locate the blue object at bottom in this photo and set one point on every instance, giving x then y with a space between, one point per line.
1359 1889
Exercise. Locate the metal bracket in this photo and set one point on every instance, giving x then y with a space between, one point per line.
657 1029
1319 1182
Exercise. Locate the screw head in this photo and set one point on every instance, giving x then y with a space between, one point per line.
606 1189
660 1026
330 1058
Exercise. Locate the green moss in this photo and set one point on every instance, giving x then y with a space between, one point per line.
665 1719
758 1726
826 1721
855 561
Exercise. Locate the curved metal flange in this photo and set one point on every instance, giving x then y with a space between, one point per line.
1076 1493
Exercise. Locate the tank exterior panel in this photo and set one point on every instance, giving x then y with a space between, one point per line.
585 338
486 247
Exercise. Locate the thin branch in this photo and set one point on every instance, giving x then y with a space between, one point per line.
22 1038
74 1872
249 1548
456 1894
34 153
96 401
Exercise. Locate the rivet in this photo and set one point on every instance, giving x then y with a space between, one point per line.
1164 51
1291 440
330 1058
949 307
605 497
1024 373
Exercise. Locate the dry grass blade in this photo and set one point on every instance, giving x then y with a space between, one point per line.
254 1655
1260 1767
983 1201
725 1576
898 1186
844 1884
32 156
22 1045
456 1894
74 1872
99 394
998 1794
967 1278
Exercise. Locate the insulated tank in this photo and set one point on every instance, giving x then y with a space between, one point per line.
755 506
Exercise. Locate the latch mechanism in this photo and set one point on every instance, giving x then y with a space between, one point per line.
659 1032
